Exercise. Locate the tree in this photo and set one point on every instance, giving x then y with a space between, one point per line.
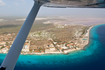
62 50
7 43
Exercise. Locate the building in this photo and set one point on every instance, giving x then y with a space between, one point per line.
52 48
61 45
4 50
26 47
64 47
2 43
47 50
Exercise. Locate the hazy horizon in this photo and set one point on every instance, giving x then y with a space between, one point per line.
21 8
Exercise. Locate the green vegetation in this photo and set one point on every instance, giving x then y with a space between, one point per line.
62 50
2 47
14 28
7 43
84 30
9 29
40 26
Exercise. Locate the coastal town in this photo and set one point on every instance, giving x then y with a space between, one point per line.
49 35
44 42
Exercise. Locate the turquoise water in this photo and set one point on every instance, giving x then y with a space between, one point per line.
91 58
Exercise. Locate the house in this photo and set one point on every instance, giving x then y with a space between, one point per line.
71 45
63 44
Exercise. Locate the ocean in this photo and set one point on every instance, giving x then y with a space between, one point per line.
92 57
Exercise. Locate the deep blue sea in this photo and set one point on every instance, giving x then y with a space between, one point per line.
91 58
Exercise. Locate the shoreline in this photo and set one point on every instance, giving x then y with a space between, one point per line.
88 35
65 52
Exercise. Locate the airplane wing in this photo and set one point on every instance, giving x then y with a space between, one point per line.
75 3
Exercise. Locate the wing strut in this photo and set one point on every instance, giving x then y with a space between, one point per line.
14 52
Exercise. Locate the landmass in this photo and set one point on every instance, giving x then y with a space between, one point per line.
47 36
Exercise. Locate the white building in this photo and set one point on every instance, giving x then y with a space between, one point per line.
4 50
26 47
64 47
55 42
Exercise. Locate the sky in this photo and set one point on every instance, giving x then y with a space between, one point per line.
23 7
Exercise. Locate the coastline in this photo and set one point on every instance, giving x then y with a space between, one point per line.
65 52
88 35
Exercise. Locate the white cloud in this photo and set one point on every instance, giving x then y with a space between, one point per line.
2 3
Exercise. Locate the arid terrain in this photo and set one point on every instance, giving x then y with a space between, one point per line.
48 35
